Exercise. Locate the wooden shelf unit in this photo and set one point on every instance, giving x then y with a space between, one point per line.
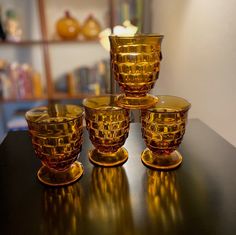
45 43
56 96
16 100
40 42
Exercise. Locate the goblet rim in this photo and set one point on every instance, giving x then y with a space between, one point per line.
89 99
143 35
45 108
158 109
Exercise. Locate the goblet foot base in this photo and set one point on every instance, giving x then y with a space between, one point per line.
142 102
161 162
60 178
108 159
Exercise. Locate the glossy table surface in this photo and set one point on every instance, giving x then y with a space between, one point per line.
197 198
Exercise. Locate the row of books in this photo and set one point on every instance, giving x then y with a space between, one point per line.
93 80
19 81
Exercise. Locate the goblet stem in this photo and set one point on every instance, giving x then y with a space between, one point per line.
134 102
161 161
60 178
108 159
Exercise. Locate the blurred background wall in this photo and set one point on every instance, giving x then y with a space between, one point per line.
199 58
199 52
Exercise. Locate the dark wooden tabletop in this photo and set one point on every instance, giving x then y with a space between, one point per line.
197 198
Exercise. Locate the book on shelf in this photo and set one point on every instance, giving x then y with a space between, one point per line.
19 81
94 80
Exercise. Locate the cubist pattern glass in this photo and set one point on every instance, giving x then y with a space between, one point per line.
163 128
108 127
136 64
56 132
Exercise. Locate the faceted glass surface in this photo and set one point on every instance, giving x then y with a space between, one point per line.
136 64
163 127
56 132
108 127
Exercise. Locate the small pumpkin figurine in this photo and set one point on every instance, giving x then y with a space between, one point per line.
91 28
68 27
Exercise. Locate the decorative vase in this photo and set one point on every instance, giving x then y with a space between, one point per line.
91 28
68 27
12 26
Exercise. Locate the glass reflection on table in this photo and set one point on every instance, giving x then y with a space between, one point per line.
109 200
61 208
162 198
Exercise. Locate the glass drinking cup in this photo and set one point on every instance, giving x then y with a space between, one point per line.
136 64
163 128
56 132
108 127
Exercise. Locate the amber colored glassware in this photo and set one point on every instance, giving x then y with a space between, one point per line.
108 127
136 65
91 28
56 131
163 127
68 27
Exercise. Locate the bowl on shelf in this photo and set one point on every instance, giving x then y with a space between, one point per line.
108 127
163 128
56 131
136 64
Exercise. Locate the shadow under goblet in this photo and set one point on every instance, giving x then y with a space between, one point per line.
56 132
163 204
163 128
136 64
109 200
61 210
108 127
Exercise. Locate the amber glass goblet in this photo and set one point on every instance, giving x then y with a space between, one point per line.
56 132
163 127
136 64
108 127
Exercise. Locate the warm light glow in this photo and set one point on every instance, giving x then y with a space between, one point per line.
126 30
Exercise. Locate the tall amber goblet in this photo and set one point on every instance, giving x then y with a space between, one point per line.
56 132
163 127
136 64
108 127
